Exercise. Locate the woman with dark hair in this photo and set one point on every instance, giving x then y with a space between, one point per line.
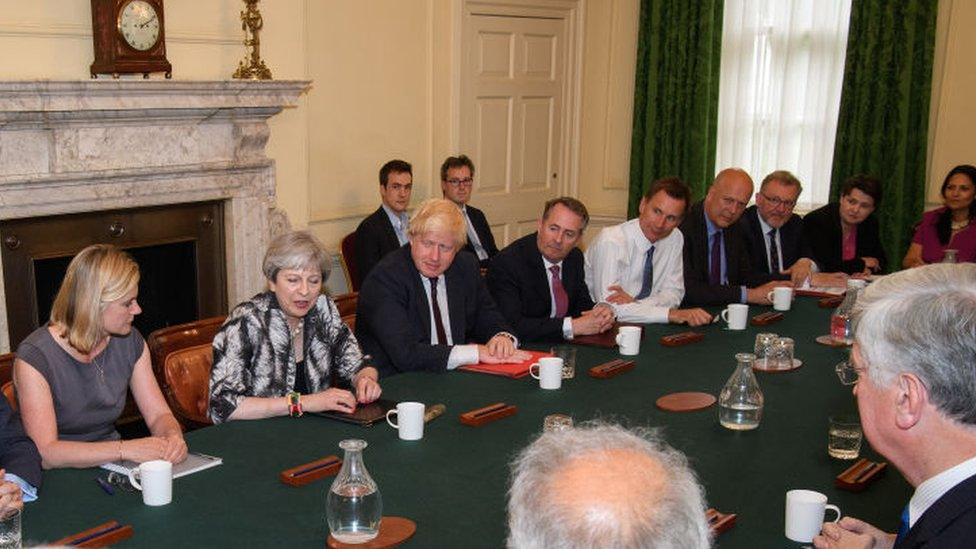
949 227
844 234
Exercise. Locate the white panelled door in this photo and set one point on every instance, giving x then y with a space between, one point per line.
512 88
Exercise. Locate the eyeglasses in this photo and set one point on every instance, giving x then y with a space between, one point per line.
467 181
779 202
848 372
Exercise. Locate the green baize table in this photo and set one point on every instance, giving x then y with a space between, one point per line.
453 483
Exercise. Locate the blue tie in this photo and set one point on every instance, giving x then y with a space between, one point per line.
648 274
902 526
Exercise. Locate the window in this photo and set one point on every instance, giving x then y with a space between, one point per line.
779 90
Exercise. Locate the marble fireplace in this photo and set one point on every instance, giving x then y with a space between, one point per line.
77 147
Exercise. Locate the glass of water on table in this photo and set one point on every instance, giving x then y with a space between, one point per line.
844 437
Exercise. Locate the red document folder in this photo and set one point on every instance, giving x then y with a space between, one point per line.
514 370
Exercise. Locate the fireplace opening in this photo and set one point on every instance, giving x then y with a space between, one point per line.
167 284
179 249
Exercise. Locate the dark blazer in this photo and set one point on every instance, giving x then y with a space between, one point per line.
18 455
698 289
791 240
519 282
822 230
949 523
375 237
481 228
393 314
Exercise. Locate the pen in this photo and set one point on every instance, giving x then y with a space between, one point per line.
104 485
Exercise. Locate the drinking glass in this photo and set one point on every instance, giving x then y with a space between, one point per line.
568 354
844 437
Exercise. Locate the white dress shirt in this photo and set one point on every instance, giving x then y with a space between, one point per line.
461 355
400 223
779 246
934 488
616 256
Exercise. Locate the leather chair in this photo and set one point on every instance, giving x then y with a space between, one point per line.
348 247
7 378
182 357
346 303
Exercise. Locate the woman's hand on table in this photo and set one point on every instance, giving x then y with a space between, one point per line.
176 449
145 449
367 386
339 400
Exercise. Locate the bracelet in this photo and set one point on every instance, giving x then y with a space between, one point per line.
295 404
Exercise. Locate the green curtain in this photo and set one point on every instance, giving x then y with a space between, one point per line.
882 128
679 52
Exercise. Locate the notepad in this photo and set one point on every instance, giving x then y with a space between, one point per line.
513 370
193 463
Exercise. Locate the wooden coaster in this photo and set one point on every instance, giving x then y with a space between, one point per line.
685 402
829 341
393 532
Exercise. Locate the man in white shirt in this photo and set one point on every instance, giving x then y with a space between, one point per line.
636 266
914 362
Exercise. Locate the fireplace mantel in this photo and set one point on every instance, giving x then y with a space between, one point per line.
92 145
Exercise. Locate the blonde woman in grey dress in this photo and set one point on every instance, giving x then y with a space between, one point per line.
72 375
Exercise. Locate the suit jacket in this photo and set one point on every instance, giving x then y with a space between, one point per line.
481 228
698 290
949 523
375 237
791 240
822 230
519 282
18 455
393 314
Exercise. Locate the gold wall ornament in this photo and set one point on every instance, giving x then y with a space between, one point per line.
252 68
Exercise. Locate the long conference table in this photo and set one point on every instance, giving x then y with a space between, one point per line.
453 483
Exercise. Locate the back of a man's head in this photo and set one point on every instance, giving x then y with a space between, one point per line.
922 321
600 485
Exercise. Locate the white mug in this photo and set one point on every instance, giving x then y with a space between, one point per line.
805 510
156 481
629 339
782 298
550 374
736 314
410 420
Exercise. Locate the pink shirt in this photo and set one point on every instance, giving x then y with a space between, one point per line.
933 250
849 245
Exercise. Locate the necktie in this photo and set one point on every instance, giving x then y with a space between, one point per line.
558 293
715 264
438 323
902 526
774 265
479 250
648 274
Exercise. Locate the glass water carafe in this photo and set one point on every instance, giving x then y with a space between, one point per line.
740 403
353 506
841 330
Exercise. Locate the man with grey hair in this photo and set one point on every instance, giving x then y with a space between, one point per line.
914 370
600 485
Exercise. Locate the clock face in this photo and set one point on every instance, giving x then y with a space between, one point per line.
139 24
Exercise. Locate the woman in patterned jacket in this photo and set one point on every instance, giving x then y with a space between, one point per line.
278 352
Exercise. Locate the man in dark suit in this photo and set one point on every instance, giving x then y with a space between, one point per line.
426 307
457 180
717 270
20 463
538 280
774 234
914 361
385 229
